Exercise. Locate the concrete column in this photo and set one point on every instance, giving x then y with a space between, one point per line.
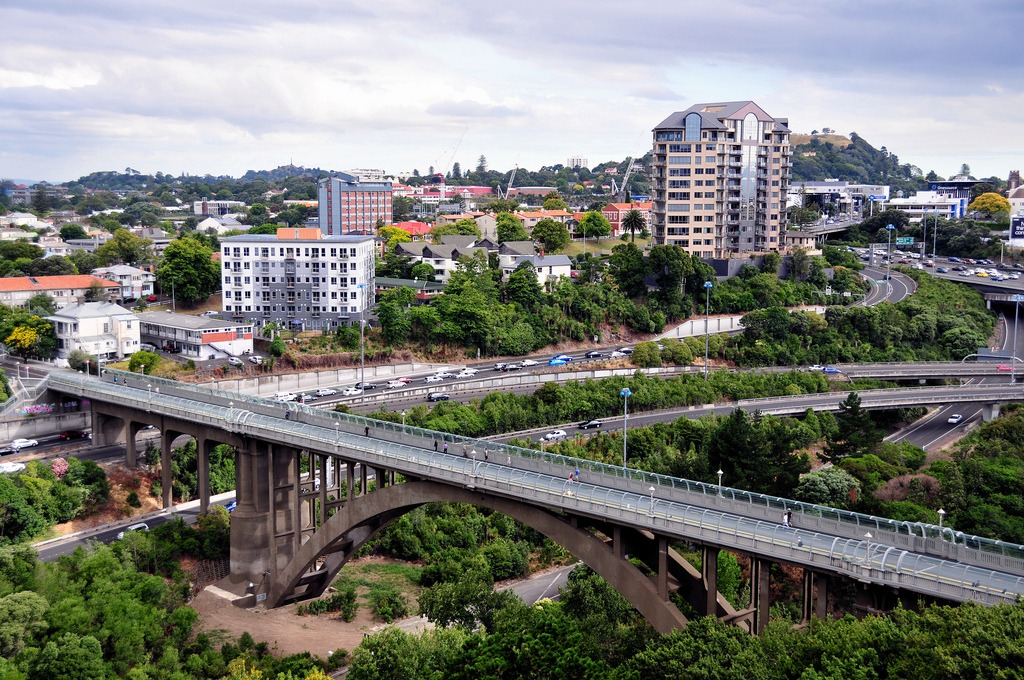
709 575
166 480
761 596
989 412
618 549
131 445
205 447
663 567
821 582
250 523
350 480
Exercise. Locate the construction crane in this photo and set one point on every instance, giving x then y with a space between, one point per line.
620 190
511 179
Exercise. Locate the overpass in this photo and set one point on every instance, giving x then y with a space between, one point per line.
289 537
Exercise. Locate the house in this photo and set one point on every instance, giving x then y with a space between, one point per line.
135 283
200 337
64 290
103 329
220 225
548 267
800 239
511 252
417 230
616 212
485 222
17 219
530 218
17 234
444 256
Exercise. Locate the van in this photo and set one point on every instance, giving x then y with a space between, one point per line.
285 396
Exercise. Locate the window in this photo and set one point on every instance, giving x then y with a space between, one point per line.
692 127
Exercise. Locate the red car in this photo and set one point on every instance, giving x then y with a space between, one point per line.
151 298
1004 367
75 434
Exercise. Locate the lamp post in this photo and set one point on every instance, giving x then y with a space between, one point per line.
149 396
720 481
707 317
652 500
403 418
625 393
942 515
1017 299
888 263
935 235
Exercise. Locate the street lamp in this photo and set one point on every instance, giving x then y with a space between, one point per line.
652 500
403 418
624 393
362 344
720 481
942 515
707 316
888 263
149 396
1016 299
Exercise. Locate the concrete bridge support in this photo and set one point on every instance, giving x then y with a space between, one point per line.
760 592
250 530
815 596
989 412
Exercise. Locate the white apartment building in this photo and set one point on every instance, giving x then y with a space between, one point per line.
926 204
102 329
135 283
299 278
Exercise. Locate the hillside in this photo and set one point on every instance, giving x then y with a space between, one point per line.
820 157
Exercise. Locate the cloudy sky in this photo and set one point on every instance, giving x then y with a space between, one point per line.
225 86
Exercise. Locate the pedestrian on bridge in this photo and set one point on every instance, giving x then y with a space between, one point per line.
366 431
435 445
576 475
446 447
785 518
789 518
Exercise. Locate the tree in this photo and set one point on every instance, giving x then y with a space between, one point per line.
187 267
144 360
463 227
40 201
456 170
41 304
392 236
855 431
552 234
72 231
58 265
633 222
594 224
991 203
97 291
402 208
481 164
554 201
522 287
510 228
125 247
629 269
423 271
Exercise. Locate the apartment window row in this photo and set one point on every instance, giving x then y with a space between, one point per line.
318 252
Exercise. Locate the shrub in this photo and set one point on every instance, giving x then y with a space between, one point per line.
388 604
133 500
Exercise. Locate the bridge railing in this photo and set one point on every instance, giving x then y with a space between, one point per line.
218 407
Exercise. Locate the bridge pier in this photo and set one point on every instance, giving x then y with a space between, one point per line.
989 412
709 577
166 480
814 583
250 535
760 592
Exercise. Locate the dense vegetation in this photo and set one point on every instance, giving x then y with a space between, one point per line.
47 493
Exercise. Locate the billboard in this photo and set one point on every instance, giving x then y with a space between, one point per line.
1017 227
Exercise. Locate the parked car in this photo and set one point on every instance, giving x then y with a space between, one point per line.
168 347
256 359
831 370
151 298
19 444
954 419
594 354
75 434
235 361
438 396
231 505
327 391
141 526
526 363
210 313
588 424
553 436
351 392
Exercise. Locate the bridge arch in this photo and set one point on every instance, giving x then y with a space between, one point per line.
358 520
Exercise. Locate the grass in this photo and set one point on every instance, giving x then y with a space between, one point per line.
603 246
367 576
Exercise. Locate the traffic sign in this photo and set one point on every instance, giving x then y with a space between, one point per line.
904 240
876 198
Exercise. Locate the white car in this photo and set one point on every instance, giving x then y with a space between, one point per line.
141 526
235 361
351 392
617 354
553 436
954 419
464 374
444 374
392 384
327 391
471 371
23 443
526 363
433 379
256 359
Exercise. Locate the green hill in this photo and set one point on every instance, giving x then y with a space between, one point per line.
821 157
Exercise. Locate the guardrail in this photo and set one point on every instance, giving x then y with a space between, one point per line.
262 418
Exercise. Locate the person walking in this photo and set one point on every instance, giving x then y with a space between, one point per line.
785 519
366 431
576 475
508 460
789 518
435 445
446 447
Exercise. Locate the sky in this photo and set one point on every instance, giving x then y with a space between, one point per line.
225 86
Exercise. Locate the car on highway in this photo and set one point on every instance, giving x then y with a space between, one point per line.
433 379
471 371
464 373
816 367
526 363
954 419
499 365
512 367
235 361
557 362
366 386
626 350
75 434
141 526
19 444
1004 367
617 354
831 370
594 354
351 392
941 270
393 384
588 424
444 374
953 259
553 436
438 396
329 391
563 357
285 396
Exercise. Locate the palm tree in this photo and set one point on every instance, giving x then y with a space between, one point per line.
634 222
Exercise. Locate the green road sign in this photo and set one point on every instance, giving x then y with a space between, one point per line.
904 240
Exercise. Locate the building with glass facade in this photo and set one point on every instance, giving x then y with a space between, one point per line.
348 205
720 177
